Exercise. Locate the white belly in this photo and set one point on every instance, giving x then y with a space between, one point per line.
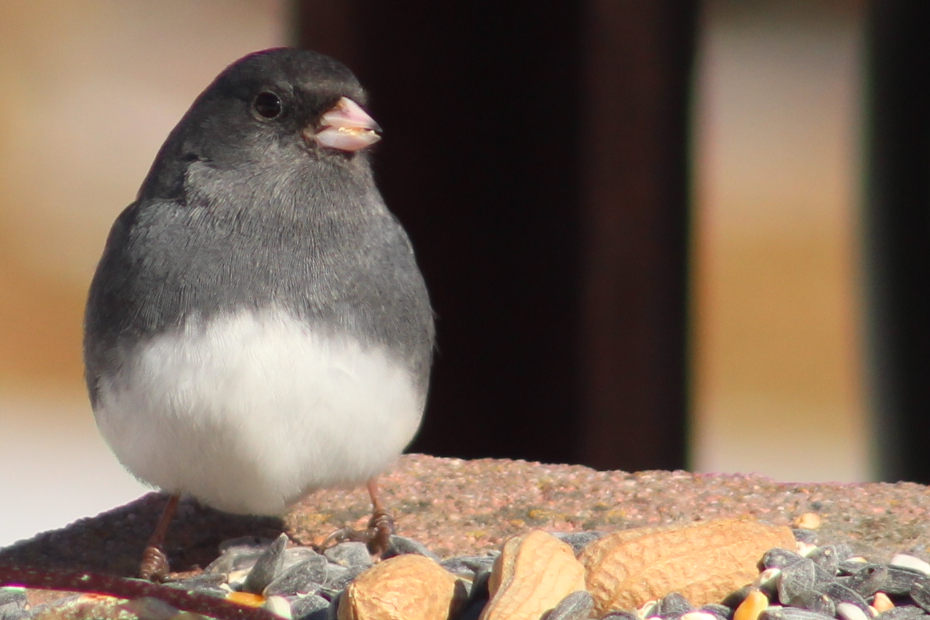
251 411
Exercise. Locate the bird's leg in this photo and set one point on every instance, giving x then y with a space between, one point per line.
380 527
154 565
381 524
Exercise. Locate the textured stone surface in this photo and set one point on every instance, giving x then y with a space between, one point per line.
457 507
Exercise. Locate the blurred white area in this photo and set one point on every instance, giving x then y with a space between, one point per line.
90 89
54 467
778 334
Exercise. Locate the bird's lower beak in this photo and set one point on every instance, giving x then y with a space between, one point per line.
346 127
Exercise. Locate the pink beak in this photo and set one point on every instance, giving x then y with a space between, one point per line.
346 127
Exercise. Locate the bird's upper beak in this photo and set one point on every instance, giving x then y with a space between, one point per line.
345 126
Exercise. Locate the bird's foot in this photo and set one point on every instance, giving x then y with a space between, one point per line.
379 532
154 565
377 536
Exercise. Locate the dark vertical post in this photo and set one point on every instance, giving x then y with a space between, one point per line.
897 234
478 102
635 209
537 155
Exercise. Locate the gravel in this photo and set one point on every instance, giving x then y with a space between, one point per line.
463 510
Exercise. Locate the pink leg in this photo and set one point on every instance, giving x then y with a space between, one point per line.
381 524
154 566
380 527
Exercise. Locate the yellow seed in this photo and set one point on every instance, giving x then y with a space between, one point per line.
246 598
808 521
882 602
752 606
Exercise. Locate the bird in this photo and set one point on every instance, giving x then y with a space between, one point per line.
257 327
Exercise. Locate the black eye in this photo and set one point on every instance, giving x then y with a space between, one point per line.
267 105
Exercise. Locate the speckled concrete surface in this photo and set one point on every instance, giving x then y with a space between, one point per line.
456 507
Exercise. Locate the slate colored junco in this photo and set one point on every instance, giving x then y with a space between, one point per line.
257 327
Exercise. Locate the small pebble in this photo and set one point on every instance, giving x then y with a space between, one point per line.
621 614
672 605
267 567
826 558
305 607
814 601
400 545
870 579
843 551
841 594
575 606
779 558
718 610
795 579
12 603
900 581
296 555
349 554
903 612
307 577
337 578
473 564
238 554
791 613
578 540
852 565
808 537
920 594
200 582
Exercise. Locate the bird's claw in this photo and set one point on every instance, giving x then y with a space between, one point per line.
154 565
377 536
379 532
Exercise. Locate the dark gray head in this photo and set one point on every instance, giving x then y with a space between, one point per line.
266 106
263 196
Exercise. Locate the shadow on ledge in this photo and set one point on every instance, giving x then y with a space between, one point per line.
112 542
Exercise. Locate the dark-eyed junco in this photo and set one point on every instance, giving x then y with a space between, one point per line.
257 327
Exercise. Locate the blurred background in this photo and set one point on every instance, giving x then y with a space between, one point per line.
658 234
